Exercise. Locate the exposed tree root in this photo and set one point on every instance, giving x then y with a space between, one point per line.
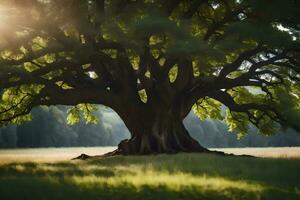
109 154
119 152
81 157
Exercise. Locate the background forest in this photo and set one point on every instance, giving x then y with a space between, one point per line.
48 128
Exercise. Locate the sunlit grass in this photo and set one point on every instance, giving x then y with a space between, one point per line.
173 182
63 154
181 176
48 154
266 152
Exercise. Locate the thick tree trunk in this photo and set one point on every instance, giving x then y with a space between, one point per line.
157 131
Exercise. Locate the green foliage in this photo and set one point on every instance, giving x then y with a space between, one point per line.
17 101
261 33
244 95
208 108
143 95
80 111
173 73
267 126
111 53
30 67
288 103
73 116
148 74
134 59
38 43
237 122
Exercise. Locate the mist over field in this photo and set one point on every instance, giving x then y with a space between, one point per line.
49 129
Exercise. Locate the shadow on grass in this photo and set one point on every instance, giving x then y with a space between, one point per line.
181 176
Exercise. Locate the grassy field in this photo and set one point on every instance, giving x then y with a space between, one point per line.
181 176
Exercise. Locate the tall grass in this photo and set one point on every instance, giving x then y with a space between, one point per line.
181 176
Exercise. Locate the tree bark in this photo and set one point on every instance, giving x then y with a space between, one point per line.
156 130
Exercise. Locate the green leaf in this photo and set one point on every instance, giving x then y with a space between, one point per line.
73 116
173 73
237 122
208 108
143 95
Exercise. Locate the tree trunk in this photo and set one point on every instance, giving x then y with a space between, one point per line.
156 131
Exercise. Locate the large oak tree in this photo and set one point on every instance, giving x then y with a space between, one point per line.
153 61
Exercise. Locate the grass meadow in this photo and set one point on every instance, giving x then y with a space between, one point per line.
180 176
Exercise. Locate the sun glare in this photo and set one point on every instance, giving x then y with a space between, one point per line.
4 16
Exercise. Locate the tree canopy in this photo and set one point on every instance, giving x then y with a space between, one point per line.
147 57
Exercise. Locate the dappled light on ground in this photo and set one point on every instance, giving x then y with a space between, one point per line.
181 176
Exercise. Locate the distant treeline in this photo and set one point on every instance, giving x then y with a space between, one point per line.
215 134
49 129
